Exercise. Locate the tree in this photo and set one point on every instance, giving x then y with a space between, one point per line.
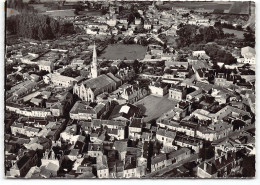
37 26
104 11
112 69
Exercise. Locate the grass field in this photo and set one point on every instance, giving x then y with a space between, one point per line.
238 34
121 51
153 107
60 13
39 7
193 5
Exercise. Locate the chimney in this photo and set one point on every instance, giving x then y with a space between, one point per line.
226 155
205 166
220 159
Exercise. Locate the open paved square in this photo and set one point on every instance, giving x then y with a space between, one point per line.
153 106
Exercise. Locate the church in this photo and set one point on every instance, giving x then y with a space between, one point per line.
87 90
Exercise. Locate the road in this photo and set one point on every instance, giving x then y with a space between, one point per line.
160 173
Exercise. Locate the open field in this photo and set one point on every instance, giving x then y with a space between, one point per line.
40 7
60 13
91 13
121 51
192 5
153 107
237 33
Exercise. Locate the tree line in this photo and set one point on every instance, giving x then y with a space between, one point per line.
38 27
189 34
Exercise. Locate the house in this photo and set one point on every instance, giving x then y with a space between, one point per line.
199 53
147 25
24 88
38 143
178 155
24 164
45 65
137 21
165 136
248 55
189 142
125 112
83 110
102 167
135 128
214 131
111 22
158 162
226 145
59 103
219 167
158 89
132 93
51 161
59 80
177 93
114 128
95 149
98 136
224 80
120 146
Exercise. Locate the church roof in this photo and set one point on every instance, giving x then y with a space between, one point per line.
98 83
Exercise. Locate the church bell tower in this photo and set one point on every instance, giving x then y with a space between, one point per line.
94 70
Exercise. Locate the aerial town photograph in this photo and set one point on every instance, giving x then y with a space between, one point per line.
98 89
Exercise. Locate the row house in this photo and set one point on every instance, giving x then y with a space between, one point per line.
178 155
20 128
28 111
158 162
135 128
158 89
24 164
189 142
165 136
133 93
102 167
45 65
177 93
221 166
95 149
214 131
163 160
85 111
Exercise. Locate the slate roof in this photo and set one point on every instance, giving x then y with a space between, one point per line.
98 83
133 110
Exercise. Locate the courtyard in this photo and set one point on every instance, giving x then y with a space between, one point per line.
153 107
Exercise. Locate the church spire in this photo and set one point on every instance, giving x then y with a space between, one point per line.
94 70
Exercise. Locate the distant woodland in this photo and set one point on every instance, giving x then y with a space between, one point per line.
39 27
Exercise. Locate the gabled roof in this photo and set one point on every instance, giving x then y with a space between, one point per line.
118 111
98 83
158 158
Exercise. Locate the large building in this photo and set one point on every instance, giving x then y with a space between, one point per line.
87 90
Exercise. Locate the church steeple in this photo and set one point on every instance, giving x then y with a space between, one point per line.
94 70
